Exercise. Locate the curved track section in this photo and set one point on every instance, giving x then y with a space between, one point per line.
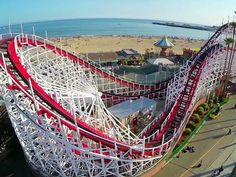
114 87
63 125
111 85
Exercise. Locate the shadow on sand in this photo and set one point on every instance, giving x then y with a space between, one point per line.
211 172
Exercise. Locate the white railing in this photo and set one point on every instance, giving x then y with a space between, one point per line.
141 140
21 38
84 58
25 55
145 149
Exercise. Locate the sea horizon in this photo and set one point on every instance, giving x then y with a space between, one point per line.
105 27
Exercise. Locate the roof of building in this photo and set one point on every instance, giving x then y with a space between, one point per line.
103 56
158 61
128 52
145 69
129 107
164 42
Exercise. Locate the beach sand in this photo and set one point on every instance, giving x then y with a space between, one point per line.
87 44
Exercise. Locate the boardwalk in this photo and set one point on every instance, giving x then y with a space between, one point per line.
212 145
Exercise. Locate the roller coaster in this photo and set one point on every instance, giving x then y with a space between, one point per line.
56 103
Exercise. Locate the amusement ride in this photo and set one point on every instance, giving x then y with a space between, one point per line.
57 104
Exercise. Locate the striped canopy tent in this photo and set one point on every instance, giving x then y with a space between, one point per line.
164 44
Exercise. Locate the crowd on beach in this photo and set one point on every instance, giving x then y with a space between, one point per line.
87 44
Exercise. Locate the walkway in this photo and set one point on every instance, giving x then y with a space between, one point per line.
212 145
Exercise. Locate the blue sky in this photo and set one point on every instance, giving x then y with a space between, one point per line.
209 12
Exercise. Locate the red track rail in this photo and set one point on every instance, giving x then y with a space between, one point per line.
86 64
101 137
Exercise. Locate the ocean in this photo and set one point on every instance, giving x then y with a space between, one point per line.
132 27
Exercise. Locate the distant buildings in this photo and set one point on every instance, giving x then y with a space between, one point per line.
161 61
130 56
124 56
128 110
103 56
129 53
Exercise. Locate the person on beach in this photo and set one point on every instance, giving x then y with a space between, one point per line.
191 150
198 165
221 168
229 131
218 171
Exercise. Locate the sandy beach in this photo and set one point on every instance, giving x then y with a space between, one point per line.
87 44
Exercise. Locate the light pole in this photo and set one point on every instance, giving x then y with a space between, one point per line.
130 106
141 101
130 109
